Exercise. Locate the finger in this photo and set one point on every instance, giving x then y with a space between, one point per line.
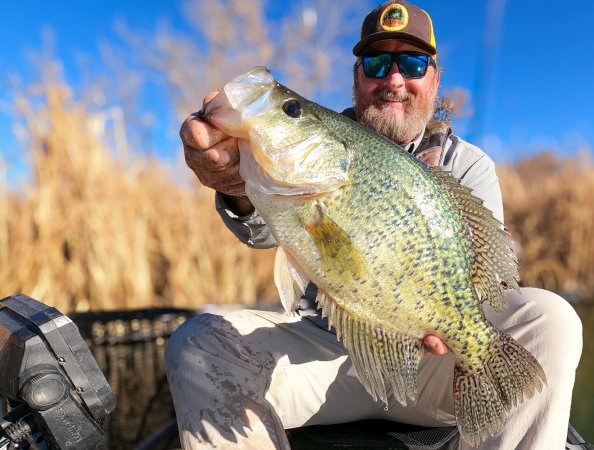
228 181
198 134
218 157
434 345
229 147
209 97
235 190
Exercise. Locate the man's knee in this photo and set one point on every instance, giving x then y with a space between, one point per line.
190 338
559 314
208 340
558 328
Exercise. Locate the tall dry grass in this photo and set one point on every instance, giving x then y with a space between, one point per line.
94 230
549 211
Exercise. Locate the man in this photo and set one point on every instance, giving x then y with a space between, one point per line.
240 379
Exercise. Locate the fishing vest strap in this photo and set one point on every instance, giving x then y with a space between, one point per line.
431 148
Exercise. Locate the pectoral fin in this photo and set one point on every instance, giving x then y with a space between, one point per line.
338 253
289 280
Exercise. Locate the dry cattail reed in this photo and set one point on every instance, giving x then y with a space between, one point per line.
547 203
94 232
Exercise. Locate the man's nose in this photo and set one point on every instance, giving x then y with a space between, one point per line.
394 77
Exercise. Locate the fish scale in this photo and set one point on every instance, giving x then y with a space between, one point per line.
397 249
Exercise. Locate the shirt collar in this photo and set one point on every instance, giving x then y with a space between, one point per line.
412 146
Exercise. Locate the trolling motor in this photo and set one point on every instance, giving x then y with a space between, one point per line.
57 395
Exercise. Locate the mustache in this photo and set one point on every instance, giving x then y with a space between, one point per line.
387 94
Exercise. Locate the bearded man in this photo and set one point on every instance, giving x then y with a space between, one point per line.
240 380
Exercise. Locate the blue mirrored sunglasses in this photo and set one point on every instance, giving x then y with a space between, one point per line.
410 64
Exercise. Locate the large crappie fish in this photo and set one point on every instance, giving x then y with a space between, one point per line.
397 249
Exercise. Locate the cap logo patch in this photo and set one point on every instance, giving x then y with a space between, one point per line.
394 18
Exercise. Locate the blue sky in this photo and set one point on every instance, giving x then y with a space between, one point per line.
535 73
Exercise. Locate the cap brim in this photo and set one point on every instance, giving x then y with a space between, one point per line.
383 35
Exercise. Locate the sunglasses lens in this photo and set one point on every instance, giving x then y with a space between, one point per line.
377 66
411 65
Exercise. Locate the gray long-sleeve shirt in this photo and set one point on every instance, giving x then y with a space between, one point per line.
465 161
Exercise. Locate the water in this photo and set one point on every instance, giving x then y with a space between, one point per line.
582 406
129 347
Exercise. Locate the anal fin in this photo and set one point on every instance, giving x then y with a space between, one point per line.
381 358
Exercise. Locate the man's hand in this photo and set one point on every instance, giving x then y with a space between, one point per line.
214 158
434 345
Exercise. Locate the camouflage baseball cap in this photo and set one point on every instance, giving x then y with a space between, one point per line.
397 19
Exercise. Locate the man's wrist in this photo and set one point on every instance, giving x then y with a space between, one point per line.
239 205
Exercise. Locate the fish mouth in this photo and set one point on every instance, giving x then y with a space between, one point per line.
247 95
249 88
220 114
263 174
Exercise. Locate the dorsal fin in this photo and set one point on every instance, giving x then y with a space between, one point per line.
495 264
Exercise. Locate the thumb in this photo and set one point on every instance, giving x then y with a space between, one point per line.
435 345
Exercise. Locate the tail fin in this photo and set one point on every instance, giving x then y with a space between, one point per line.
482 399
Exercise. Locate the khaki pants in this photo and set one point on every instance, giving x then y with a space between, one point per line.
240 379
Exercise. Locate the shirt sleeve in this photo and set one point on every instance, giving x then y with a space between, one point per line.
476 171
250 229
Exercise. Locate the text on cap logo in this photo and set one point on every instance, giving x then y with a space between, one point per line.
394 18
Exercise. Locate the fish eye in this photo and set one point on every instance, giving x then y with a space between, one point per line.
292 108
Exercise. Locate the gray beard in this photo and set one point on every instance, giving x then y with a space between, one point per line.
402 131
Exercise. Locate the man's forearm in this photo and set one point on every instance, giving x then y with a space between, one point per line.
249 227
